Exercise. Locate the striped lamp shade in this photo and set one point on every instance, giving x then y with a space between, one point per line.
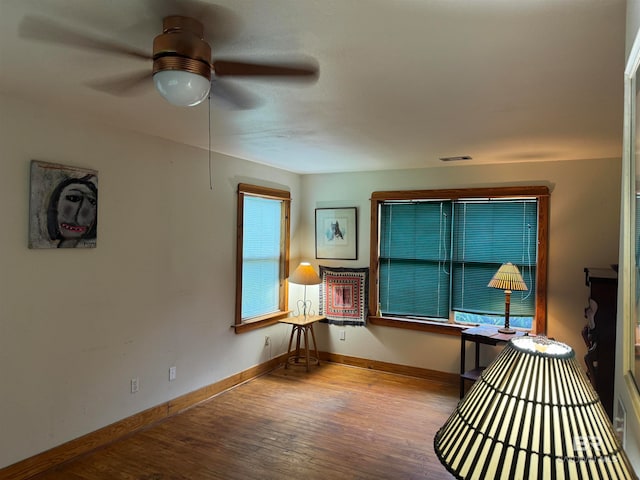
532 415
508 278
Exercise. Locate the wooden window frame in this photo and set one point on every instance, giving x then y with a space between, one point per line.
283 301
541 193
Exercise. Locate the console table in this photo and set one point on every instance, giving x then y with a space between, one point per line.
479 335
301 327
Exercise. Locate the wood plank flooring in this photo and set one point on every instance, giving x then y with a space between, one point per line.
335 422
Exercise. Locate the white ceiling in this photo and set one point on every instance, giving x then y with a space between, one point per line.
402 83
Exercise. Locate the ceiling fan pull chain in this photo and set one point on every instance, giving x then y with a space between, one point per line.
209 113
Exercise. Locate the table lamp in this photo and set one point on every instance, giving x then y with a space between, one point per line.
507 278
304 275
532 414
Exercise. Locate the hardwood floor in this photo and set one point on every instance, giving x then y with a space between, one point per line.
335 422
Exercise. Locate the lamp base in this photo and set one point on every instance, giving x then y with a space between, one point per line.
507 330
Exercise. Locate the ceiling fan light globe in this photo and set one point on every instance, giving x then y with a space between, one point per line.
184 89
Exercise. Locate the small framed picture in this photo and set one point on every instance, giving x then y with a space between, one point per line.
337 233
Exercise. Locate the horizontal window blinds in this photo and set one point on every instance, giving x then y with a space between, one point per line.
439 255
260 256
637 240
415 248
486 235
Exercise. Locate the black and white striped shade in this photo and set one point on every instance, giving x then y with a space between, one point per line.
532 415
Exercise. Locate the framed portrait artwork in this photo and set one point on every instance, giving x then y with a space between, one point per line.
337 233
63 206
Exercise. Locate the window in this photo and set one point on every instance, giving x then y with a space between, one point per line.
434 252
637 284
262 256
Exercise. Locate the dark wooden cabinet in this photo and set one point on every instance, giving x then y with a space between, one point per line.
600 332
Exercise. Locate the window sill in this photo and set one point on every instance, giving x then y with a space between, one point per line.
260 322
420 325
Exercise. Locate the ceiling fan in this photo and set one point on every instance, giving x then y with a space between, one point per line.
183 68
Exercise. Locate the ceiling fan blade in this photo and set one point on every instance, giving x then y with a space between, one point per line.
124 85
42 29
232 95
306 70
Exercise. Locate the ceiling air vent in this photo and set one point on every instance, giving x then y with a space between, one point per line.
456 159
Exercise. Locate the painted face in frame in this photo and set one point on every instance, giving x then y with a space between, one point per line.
76 210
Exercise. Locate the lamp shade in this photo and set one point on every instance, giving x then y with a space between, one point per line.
305 275
182 88
532 415
508 278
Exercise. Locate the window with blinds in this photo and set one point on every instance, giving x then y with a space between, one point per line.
488 233
415 259
637 273
637 243
263 255
437 255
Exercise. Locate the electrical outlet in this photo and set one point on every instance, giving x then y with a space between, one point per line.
172 374
135 385
267 340
342 335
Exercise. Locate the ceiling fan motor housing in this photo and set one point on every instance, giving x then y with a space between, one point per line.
181 46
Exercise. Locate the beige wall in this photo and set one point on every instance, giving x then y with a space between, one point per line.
158 291
77 325
584 226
